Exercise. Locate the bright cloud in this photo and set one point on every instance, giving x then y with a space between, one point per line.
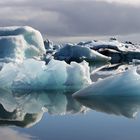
131 2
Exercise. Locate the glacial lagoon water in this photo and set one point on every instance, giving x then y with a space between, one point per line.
56 115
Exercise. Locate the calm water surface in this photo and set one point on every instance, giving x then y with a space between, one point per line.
57 116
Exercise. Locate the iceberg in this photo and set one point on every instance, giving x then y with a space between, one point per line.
33 74
41 62
78 53
112 43
118 51
124 84
108 70
19 43
25 45
96 50
99 44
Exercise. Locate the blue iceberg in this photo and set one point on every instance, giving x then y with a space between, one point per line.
123 84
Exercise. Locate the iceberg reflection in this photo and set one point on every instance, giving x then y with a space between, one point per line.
127 106
26 109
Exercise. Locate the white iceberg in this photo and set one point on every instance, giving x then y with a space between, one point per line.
25 45
125 84
33 74
19 43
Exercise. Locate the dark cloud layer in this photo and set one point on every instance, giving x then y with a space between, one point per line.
61 18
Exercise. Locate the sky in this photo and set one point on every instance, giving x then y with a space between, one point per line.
75 20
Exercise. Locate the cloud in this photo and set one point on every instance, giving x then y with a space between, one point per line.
70 18
10 134
130 2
